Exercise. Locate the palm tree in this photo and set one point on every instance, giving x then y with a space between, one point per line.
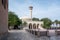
53 23
59 23
56 21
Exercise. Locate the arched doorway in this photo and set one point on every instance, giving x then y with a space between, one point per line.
34 26
30 26
37 26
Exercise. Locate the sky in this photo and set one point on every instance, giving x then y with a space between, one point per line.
41 8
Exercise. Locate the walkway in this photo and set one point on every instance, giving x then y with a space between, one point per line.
19 35
24 35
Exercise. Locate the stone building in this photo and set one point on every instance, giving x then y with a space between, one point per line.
3 17
30 23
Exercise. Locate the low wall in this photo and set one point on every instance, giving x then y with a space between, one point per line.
57 32
44 32
38 33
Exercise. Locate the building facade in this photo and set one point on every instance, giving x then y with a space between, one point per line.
32 24
3 17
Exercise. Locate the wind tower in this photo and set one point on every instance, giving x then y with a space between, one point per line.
31 8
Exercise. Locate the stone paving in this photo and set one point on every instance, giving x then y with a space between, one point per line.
24 35
20 35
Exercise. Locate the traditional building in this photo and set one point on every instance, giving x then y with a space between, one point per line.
30 23
3 17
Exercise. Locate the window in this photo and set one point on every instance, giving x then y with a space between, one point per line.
4 3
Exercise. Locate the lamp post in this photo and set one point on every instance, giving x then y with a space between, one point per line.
30 8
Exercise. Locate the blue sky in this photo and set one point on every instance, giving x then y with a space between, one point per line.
41 8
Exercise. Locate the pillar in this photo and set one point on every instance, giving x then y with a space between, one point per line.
30 8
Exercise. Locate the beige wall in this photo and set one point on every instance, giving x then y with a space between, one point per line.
3 18
35 22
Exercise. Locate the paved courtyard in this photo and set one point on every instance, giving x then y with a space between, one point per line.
24 35
20 35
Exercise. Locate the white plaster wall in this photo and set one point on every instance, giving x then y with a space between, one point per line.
35 22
